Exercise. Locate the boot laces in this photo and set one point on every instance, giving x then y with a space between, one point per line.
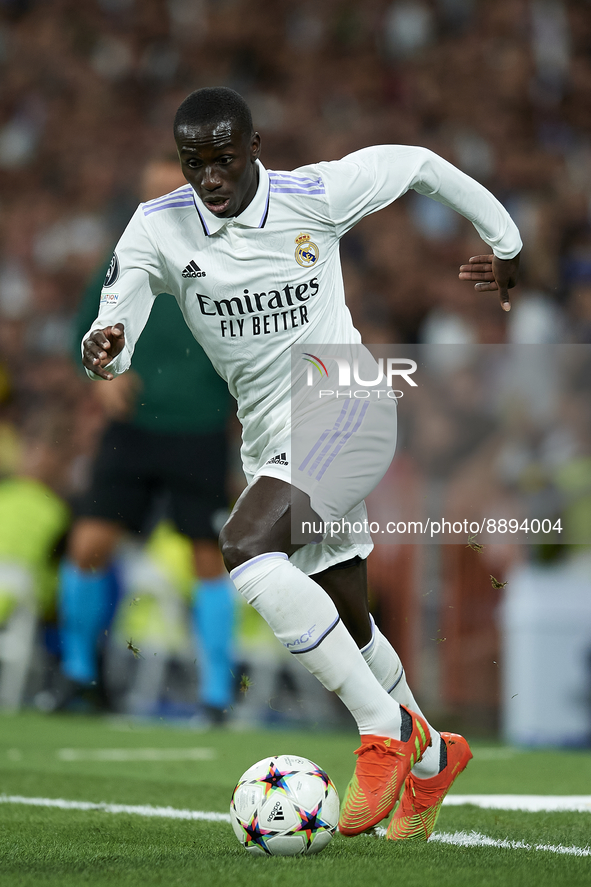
371 767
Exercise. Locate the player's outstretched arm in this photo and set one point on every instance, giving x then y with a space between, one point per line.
493 274
101 347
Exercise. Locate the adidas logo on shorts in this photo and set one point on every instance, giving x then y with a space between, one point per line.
279 459
193 270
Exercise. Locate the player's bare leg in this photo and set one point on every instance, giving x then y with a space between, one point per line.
346 584
261 521
256 543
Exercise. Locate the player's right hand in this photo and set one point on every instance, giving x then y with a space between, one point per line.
101 347
495 275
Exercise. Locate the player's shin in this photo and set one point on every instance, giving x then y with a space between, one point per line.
385 664
305 620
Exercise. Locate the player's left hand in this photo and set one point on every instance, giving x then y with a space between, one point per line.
496 274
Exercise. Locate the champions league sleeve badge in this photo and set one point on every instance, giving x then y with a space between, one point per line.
112 272
306 253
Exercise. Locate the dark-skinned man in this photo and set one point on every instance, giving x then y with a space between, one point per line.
267 245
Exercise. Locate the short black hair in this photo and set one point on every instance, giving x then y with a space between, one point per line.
211 105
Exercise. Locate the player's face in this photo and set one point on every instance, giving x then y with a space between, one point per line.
219 162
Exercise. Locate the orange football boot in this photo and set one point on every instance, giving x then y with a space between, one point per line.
416 815
383 765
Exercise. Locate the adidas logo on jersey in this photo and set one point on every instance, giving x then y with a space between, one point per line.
193 270
279 459
276 814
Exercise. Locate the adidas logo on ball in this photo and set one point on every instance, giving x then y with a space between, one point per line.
284 805
276 813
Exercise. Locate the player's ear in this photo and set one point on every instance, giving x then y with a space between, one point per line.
255 147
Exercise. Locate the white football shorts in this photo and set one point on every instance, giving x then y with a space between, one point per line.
337 453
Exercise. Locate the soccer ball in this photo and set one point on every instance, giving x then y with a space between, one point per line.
284 806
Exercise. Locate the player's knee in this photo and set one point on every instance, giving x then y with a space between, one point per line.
239 547
235 549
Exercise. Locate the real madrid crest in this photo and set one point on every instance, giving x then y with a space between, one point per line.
306 253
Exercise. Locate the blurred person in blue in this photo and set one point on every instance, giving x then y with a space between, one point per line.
164 450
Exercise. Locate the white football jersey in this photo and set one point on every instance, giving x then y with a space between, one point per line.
251 286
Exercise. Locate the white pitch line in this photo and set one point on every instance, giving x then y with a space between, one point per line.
460 839
529 803
114 755
140 809
474 839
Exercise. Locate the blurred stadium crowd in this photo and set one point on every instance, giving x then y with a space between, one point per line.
88 90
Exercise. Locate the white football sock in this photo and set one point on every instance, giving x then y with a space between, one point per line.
385 663
305 620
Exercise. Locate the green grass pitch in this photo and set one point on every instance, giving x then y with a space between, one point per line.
60 757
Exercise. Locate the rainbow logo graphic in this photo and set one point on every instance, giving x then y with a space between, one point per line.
315 361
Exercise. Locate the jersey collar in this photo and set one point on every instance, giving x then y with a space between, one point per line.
254 216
